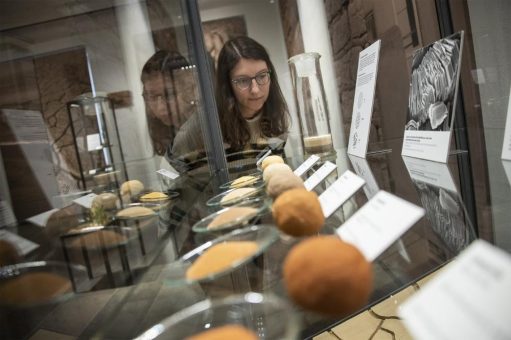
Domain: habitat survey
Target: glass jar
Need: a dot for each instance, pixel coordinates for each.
(310, 100)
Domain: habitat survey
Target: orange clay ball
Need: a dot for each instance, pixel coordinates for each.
(297, 212)
(228, 332)
(327, 275)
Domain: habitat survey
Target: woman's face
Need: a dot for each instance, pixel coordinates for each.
(171, 101)
(251, 99)
(155, 97)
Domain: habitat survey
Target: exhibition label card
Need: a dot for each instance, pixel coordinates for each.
(22, 244)
(430, 172)
(85, 201)
(364, 99)
(363, 170)
(339, 192)
(379, 223)
(93, 142)
(42, 219)
(507, 169)
(468, 300)
(432, 99)
(168, 173)
(7, 216)
(319, 175)
(309, 162)
(506, 148)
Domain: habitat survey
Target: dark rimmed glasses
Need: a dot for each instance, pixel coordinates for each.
(244, 83)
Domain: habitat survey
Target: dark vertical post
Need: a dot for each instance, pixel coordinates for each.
(209, 120)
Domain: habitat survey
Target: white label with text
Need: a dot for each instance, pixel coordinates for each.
(468, 300)
(319, 175)
(306, 165)
(339, 192)
(379, 223)
(168, 173)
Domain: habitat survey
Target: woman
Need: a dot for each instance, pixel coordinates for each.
(169, 96)
(251, 106)
(252, 110)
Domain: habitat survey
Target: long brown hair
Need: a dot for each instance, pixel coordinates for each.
(274, 120)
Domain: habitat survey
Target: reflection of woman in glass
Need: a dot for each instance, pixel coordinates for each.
(252, 110)
(169, 96)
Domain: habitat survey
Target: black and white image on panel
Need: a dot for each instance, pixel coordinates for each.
(433, 85)
(447, 214)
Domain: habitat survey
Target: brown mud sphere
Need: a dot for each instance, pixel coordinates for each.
(230, 215)
(220, 257)
(297, 212)
(33, 288)
(229, 332)
(326, 275)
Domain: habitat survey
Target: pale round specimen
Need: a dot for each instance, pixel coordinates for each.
(274, 169)
(281, 182)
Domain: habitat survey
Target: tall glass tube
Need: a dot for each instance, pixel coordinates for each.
(310, 99)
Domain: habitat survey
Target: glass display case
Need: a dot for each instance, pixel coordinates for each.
(97, 143)
(104, 216)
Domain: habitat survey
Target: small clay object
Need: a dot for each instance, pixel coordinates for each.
(106, 200)
(281, 182)
(271, 160)
(327, 275)
(243, 181)
(274, 169)
(132, 212)
(33, 288)
(220, 257)
(230, 215)
(131, 188)
(297, 212)
(236, 194)
(228, 332)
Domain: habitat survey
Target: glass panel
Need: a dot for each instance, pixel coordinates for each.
(488, 83)
(97, 96)
(90, 90)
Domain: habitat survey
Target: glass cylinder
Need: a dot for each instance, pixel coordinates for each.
(310, 100)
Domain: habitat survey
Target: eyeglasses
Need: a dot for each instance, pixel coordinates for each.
(153, 98)
(244, 83)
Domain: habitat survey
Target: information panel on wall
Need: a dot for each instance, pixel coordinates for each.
(432, 99)
(364, 99)
(506, 147)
